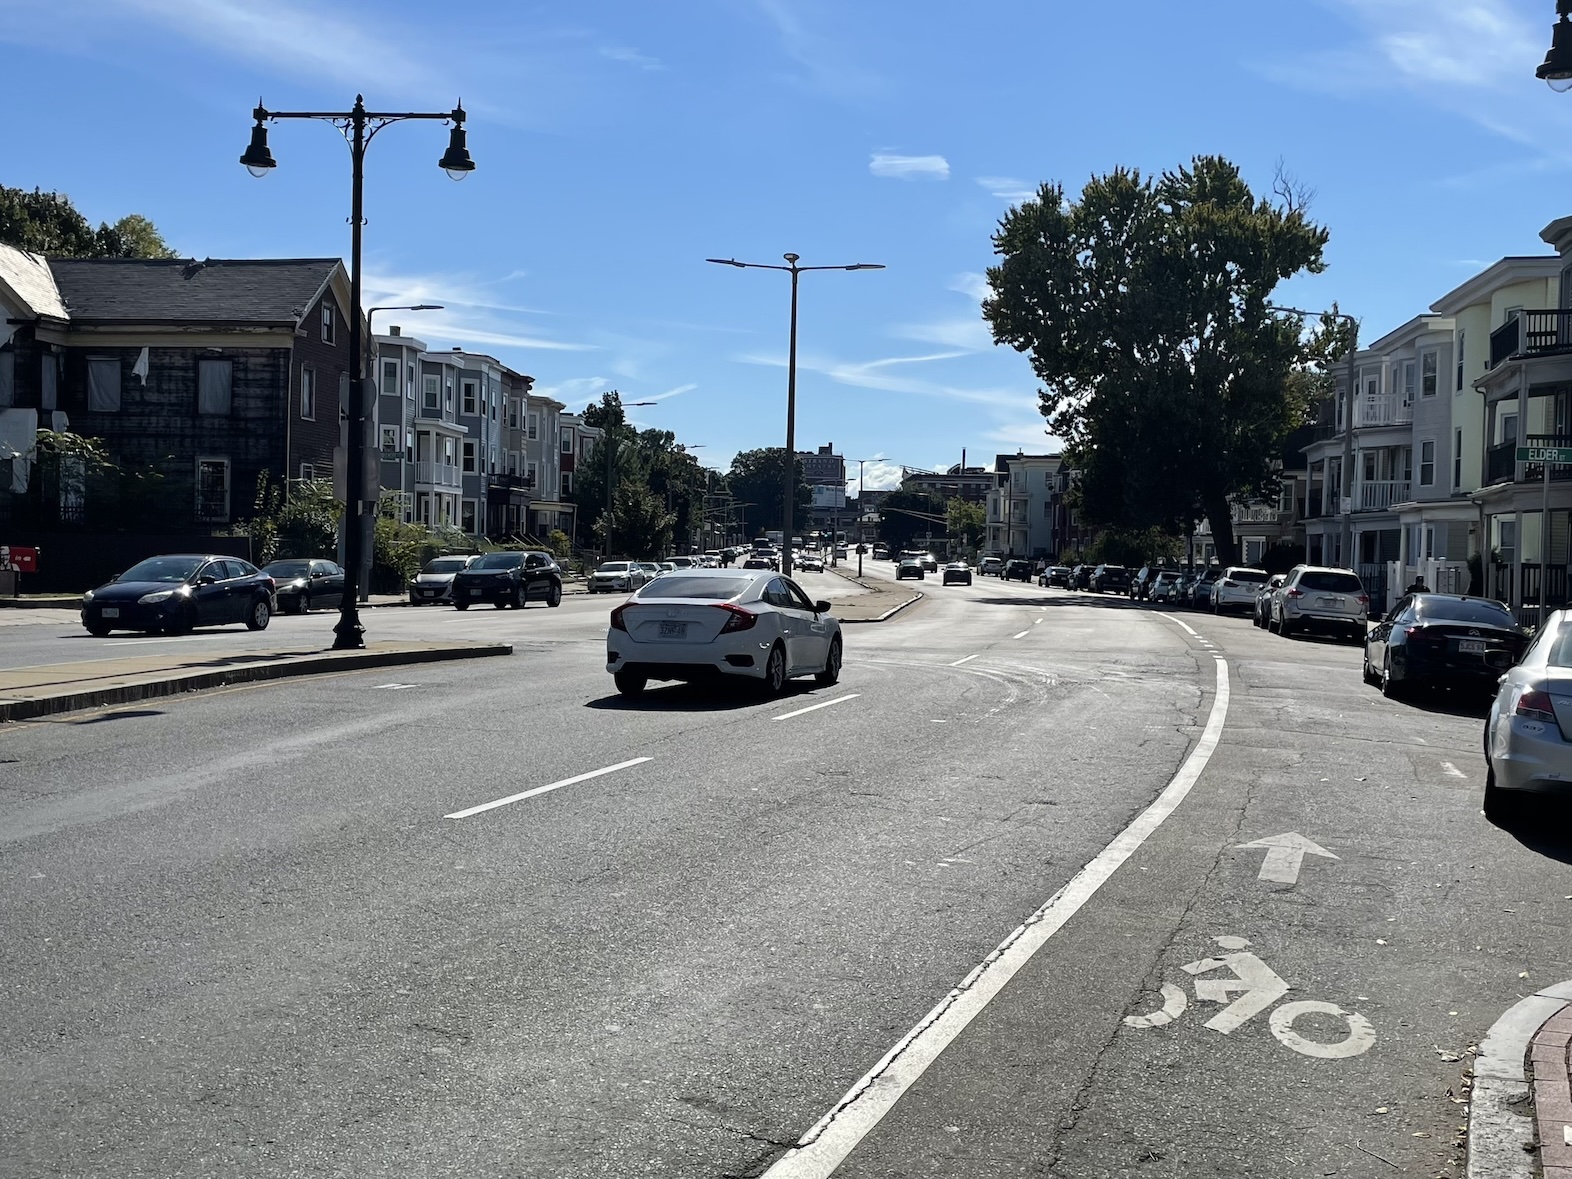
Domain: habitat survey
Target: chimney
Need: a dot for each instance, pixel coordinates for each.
(395, 330)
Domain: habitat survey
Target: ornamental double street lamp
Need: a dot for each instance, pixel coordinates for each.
(790, 482)
(359, 127)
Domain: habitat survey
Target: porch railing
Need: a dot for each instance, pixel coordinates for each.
(1382, 411)
(1378, 495)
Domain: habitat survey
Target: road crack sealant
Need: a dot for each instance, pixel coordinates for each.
(827, 1143)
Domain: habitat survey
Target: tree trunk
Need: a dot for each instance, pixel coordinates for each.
(1219, 514)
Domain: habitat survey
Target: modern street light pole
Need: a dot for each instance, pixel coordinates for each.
(1346, 490)
(790, 480)
(359, 127)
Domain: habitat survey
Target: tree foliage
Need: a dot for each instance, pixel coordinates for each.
(639, 525)
(1143, 305)
(758, 478)
(905, 515)
(48, 223)
(966, 520)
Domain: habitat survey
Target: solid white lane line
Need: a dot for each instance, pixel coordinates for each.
(1181, 622)
(958, 662)
(1035, 622)
(816, 707)
(837, 1133)
(522, 795)
(1023, 634)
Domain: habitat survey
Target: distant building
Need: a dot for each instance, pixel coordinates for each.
(825, 473)
(971, 484)
(1027, 515)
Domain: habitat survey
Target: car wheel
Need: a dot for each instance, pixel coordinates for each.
(1498, 804)
(554, 596)
(1366, 672)
(461, 605)
(518, 599)
(97, 629)
(261, 614)
(1284, 627)
(832, 665)
(1390, 688)
(629, 683)
(304, 605)
(775, 671)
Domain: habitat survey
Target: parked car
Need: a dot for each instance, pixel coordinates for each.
(613, 577)
(714, 623)
(993, 565)
(1263, 598)
(1165, 587)
(1017, 570)
(840, 552)
(1081, 577)
(652, 569)
(509, 579)
(930, 563)
(810, 563)
(300, 585)
(1442, 640)
(1058, 575)
(175, 593)
(434, 583)
(1200, 597)
(881, 551)
(1141, 583)
(1316, 597)
(1527, 747)
(1236, 588)
(957, 573)
(1110, 579)
(909, 567)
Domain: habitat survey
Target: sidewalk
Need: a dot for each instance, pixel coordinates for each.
(27, 692)
(1525, 1056)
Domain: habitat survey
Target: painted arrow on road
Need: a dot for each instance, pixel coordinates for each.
(1285, 855)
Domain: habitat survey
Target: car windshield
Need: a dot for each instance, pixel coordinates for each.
(288, 569)
(1330, 583)
(499, 561)
(679, 585)
(1255, 575)
(445, 565)
(616, 566)
(163, 569)
(1453, 610)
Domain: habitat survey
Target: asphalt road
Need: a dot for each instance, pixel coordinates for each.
(239, 936)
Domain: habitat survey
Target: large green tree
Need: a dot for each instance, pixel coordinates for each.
(966, 520)
(758, 479)
(48, 223)
(639, 525)
(1143, 306)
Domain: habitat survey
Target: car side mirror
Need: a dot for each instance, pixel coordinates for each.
(207, 579)
(316, 573)
(821, 607)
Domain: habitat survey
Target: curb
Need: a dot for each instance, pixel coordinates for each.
(17, 710)
(1502, 1132)
(62, 602)
(886, 616)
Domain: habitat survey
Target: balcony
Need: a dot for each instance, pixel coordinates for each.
(1532, 333)
(437, 474)
(1382, 411)
(1378, 495)
(1257, 514)
(1501, 462)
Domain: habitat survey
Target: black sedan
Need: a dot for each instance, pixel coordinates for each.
(300, 585)
(909, 567)
(1017, 571)
(957, 573)
(1442, 640)
(175, 593)
(509, 579)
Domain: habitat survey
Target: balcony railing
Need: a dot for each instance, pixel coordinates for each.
(1378, 495)
(1532, 333)
(1501, 463)
(437, 474)
(1382, 411)
(1257, 514)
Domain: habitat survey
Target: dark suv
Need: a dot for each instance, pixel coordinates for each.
(509, 579)
(1110, 579)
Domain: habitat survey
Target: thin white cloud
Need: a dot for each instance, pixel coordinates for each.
(670, 393)
(453, 331)
(631, 57)
(1029, 435)
(1007, 188)
(875, 374)
(893, 167)
(971, 284)
(821, 64)
(970, 334)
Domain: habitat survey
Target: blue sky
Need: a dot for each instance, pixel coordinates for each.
(621, 143)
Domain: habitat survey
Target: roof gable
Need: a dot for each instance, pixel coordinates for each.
(215, 290)
(26, 281)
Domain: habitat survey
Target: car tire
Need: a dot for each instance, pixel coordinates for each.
(775, 671)
(1390, 688)
(461, 605)
(630, 683)
(1498, 804)
(260, 614)
(304, 605)
(831, 674)
(1366, 672)
(518, 599)
(554, 595)
(97, 629)
(1284, 627)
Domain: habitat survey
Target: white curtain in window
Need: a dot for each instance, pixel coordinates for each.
(214, 380)
(103, 386)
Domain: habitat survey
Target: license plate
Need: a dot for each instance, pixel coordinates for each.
(474, 593)
(1472, 646)
(1331, 603)
(109, 612)
(674, 630)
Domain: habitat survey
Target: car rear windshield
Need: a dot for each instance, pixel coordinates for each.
(163, 569)
(288, 569)
(678, 585)
(1331, 583)
(445, 565)
(1451, 610)
(499, 561)
(1256, 575)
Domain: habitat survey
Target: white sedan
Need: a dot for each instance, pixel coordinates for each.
(705, 624)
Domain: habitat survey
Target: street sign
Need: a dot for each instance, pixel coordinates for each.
(1544, 454)
(23, 560)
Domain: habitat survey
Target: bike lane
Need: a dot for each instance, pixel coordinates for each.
(1288, 977)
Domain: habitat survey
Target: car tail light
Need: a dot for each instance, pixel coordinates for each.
(1226, 581)
(1363, 599)
(1293, 593)
(616, 619)
(1535, 704)
(737, 618)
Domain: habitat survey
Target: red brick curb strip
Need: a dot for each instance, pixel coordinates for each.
(1524, 1056)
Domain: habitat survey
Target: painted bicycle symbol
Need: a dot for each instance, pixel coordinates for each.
(1258, 986)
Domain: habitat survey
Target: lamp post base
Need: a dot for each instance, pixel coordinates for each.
(349, 635)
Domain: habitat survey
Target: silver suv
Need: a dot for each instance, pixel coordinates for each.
(1314, 597)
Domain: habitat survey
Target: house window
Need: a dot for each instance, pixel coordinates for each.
(48, 380)
(1408, 382)
(390, 377)
(1508, 429)
(492, 466)
(533, 428)
(513, 415)
(103, 384)
(1457, 460)
(308, 394)
(1427, 463)
(467, 519)
(447, 397)
(307, 471)
(215, 382)
(1460, 342)
(328, 325)
(1427, 374)
(7, 379)
(469, 458)
(212, 490)
(567, 447)
(409, 382)
(409, 446)
(390, 444)
(469, 397)
(430, 393)
(529, 474)
(423, 507)
(567, 483)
